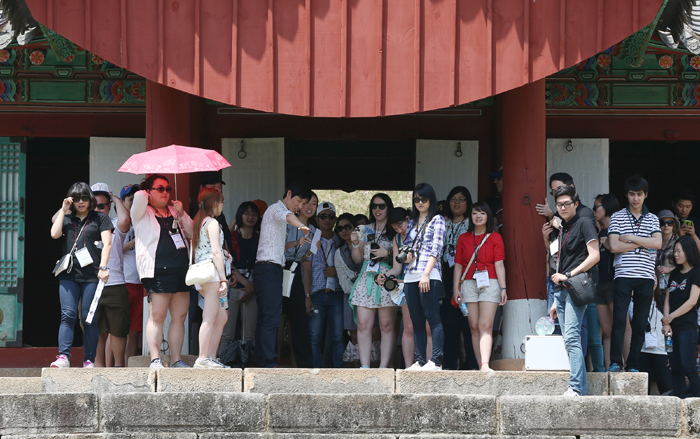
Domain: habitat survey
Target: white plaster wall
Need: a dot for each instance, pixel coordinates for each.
(588, 163)
(519, 318)
(437, 165)
(107, 154)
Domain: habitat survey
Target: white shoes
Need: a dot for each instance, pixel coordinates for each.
(61, 362)
(431, 366)
(570, 392)
(415, 366)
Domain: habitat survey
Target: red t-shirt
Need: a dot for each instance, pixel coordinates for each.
(491, 252)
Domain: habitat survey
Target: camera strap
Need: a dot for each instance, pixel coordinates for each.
(466, 267)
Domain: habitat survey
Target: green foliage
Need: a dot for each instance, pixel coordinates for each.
(358, 201)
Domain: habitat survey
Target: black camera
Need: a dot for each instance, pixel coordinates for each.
(391, 283)
(374, 246)
(404, 251)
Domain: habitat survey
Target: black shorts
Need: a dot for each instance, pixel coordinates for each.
(113, 311)
(167, 281)
(604, 293)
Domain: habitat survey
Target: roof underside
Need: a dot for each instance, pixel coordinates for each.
(340, 58)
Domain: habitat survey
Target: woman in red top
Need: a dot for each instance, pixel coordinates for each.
(484, 287)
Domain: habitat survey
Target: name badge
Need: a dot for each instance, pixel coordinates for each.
(554, 247)
(373, 268)
(450, 260)
(84, 257)
(330, 283)
(650, 340)
(617, 262)
(227, 265)
(482, 279)
(177, 239)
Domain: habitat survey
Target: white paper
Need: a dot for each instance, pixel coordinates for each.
(315, 241)
(554, 247)
(650, 339)
(177, 239)
(482, 279)
(95, 302)
(84, 258)
(288, 280)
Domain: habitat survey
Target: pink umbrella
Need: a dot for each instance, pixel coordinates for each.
(174, 159)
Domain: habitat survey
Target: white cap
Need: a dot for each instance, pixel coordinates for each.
(101, 187)
(326, 205)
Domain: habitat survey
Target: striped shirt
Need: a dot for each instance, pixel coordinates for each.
(273, 234)
(640, 262)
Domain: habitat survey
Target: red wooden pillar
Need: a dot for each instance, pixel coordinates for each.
(172, 117)
(523, 133)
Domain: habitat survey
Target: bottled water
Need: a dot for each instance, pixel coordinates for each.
(223, 301)
(669, 343)
(463, 307)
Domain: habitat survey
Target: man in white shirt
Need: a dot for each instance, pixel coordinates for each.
(269, 264)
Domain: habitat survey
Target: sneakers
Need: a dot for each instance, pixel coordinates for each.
(415, 366)
(206, 363)
(61, 362)
(181, 364)
(87, 364)
(633, 370)
(218, 361)
(614, 367)
(156, 364)
(570, 392)
(430, 366)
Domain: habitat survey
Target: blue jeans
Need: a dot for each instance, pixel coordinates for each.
(422, 306)
(571, 319)
(70, 293)
(595, 342)
(329, 307)
(268, 287)
(551, 288)
(682, 361)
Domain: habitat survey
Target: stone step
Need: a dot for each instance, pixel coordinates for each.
(20, 384)
(332, 381)
(20, 372)
(145, 360)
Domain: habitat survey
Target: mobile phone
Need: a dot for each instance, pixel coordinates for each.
(687, 223)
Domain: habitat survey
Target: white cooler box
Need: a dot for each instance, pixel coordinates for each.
(546, 353)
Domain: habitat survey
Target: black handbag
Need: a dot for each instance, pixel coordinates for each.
(581, 289)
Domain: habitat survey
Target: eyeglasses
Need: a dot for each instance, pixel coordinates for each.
(420, 200)
(457, 200)
(162, 189)
(380, 206)
(596, 206)
(325, 216)
(666, 223)
(345, 228)
(83, 198)
(565, 205)
(103, 205)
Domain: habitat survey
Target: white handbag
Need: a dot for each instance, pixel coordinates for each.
(201, 272)
(66, 262)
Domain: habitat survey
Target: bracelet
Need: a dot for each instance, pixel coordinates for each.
(307, 295)
(503, 288)
(355, 245)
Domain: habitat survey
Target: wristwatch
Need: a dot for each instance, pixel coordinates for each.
(568, 275)
(104, 267)
(307, 295)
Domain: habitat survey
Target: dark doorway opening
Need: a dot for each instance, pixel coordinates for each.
(666, 166)
(352, 164)
(53, 164)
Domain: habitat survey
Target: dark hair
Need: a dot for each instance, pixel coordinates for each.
(683, 194)
(690, 249)
(78, 189)
(397, 215)
(609, 203)
(563, 177)
(425, 190)
(636, 184)
(132, 190)
(457, 190)
(361, 216)
(207, 197)
(481, 206)
(298, 189)
(345, 216)
(564, 191)
(243, 208)
(386, 199)
(148, 183)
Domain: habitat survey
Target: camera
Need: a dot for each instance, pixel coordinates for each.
(404, 251)
(391, 283)
(374, 246)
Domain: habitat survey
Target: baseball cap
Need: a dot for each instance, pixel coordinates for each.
(326, 205)
(101, 187)
(497, 174)
(128, 190)
(211, 177)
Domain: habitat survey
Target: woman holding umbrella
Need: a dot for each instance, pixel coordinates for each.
(161, 234)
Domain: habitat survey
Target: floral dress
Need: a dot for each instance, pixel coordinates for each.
(365, 292)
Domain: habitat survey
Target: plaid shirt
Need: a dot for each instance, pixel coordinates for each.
(431, 244)
(324, 257)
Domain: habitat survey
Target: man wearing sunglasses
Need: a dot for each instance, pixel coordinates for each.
(113, 309)
(326, 295)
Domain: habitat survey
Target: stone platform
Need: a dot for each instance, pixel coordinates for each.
(335, 403)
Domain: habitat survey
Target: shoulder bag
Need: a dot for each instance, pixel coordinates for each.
(466, 268)
(66, 262)
(201, 272)
(581, 287)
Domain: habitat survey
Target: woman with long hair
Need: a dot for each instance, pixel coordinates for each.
(370, 247)
(681, 316)
(162, 229)
(425, 236)
(208, 244)
(483, 289)
(85, 230)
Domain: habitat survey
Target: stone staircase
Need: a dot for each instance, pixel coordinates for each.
(333, 403)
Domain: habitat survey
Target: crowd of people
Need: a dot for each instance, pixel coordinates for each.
(350, 289)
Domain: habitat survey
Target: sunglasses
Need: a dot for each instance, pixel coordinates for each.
(325, 216)
(380, 206)
(83, 198)
(103, 205)
(457, 200)
(162, 189)
(667, 223)
(420, 200)
(345, 228)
